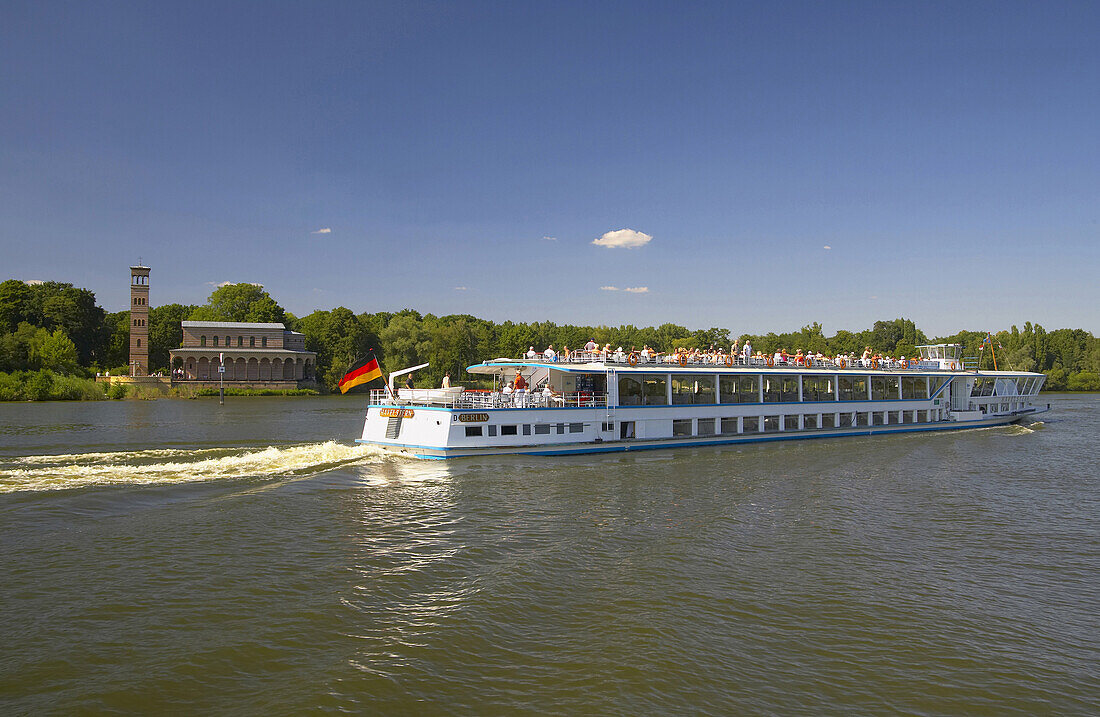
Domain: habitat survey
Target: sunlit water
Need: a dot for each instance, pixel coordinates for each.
(184, 557)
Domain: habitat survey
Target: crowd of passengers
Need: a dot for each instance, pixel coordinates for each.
(737, 355)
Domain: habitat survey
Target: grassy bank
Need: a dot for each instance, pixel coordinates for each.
(45, 385)
(258, 392)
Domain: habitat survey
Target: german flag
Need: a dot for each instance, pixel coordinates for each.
(362, 371)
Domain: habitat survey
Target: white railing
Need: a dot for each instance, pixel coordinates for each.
(728, 361)
(492, 399)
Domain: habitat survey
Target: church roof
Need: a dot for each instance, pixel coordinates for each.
(229, 325)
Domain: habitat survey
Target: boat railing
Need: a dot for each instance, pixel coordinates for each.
(476, 398)
(673, 360)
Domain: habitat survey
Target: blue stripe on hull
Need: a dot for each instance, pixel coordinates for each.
(614, 447)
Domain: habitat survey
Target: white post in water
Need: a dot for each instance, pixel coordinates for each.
(221, 379)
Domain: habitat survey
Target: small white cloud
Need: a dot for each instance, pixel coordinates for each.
(827, 247)
(637, 289)
(549, 238)
(874, 297)
(220, 284)
(623, 239)
(609, 288)
(33, 282)
(326, 230)
(461, 288)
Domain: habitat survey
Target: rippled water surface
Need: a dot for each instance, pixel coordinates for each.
(181, 556)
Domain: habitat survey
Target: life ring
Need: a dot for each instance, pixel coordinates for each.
(952, 365)
(770, 361)
(683, 360)
(905, 363)
(843, 363)
(729, 361)
(874, 362)
(632, 359)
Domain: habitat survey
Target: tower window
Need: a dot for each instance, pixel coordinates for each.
(139, 343)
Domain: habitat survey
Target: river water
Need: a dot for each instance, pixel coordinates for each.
(249, 559)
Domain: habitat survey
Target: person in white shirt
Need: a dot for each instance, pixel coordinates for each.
(531, 353)
(645, 353)
(747, 352)
(591, 345)
(550, 354)
(446, 380)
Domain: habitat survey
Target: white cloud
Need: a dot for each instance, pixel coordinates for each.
(623, 238)
(326, 230)
(549, 238)
(220, 284)
(827, 246)
(33, 282)
(461, 288)
(637, 289)
(609, 288)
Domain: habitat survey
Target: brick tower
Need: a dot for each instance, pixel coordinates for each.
(139, 320)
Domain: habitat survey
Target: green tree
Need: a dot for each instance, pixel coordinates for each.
(15, 296)
(55, 352)
(240, 302)
(165, 333)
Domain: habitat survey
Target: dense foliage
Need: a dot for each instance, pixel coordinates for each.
(57, 328)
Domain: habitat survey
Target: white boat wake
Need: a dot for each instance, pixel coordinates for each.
(164, 466)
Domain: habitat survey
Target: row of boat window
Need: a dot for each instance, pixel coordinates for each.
(728, 426)
(654, 389)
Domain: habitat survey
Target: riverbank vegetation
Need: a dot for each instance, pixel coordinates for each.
(60, 329)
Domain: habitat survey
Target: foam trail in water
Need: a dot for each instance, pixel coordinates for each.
(149, 467)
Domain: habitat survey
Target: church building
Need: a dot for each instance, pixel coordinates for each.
(253, 352)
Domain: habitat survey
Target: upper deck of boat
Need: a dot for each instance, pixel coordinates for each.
(598, 363)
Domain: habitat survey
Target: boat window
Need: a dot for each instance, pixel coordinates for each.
(560, 428)
(748, 388)
(492, 430)
(526, 429)
(705, 427)
(729, 426)
(630, 391)
(771, 424)
(790, 389)
(846, 389)
(542, 429)
(691, 388)
(828, 420)
(878, 388)
(845, 420)
(509, 431)
(790, 423)
(656, 389)
(914, 387)
(895, 417)
(862, 418)
(473, 431)
(809, 421)
(576, 427)
(609, 427)
(727, 389)
(817, 388)
(773, 389)
(681, 427)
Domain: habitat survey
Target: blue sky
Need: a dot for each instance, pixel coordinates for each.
(465, 156)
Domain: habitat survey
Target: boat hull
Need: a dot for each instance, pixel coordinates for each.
(615, 446)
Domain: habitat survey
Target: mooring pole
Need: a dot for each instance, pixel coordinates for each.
(221, 379)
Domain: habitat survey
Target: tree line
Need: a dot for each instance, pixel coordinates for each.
(57, 327)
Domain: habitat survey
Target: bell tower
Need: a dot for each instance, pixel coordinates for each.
(139, 320)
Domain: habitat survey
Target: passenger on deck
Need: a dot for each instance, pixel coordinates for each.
(645, 354)
(520, 382)
(550, 354)
(446, 380)
(619, 355)
(606, 352)
(747, 351)
(564, 353)
(591, 346)
(531, 353)
(866, 359)
(799, 358)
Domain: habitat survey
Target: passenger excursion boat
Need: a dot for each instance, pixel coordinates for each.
(598, 402)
